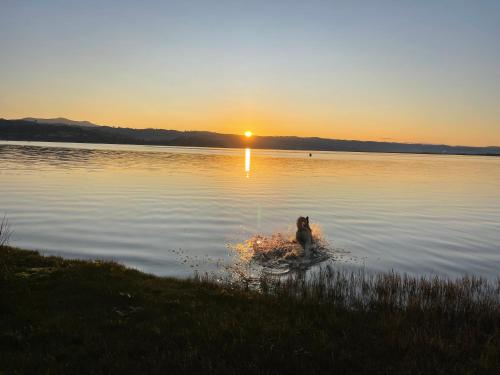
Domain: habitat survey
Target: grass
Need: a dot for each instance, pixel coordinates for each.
(5, 231)
(70, 316)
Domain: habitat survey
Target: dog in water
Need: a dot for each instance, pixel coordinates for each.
(304, 234)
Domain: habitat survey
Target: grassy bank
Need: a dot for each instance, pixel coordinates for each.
(67, 316)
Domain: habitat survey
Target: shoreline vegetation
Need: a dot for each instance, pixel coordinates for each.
(74, 316)
(63, 130)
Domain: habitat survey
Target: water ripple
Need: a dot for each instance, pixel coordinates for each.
(139, 204)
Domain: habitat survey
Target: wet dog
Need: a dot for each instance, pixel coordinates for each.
(304, 234)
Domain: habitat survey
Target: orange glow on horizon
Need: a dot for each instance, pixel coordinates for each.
(356, 126)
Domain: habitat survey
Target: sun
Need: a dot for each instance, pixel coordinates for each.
(248, 134)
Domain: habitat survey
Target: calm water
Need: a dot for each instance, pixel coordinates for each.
(152, 207)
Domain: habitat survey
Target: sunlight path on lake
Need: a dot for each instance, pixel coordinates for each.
(247, 161)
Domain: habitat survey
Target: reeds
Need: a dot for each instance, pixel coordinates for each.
(5, 232)
(358, 290)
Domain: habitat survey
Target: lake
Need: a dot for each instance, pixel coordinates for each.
(170, 210)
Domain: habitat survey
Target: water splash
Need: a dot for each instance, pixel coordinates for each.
(279, 253)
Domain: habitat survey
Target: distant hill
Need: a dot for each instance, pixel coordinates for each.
(58, 121)
(63, 130)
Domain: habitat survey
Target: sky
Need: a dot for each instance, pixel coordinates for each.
(409, 71)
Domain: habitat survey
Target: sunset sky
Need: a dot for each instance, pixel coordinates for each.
(411, 71)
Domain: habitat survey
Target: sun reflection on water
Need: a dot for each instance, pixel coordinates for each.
(247, 161)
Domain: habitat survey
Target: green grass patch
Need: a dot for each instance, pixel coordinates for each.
(71, 316)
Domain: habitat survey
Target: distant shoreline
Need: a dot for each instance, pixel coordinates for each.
(33, 131)
(3, 142)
